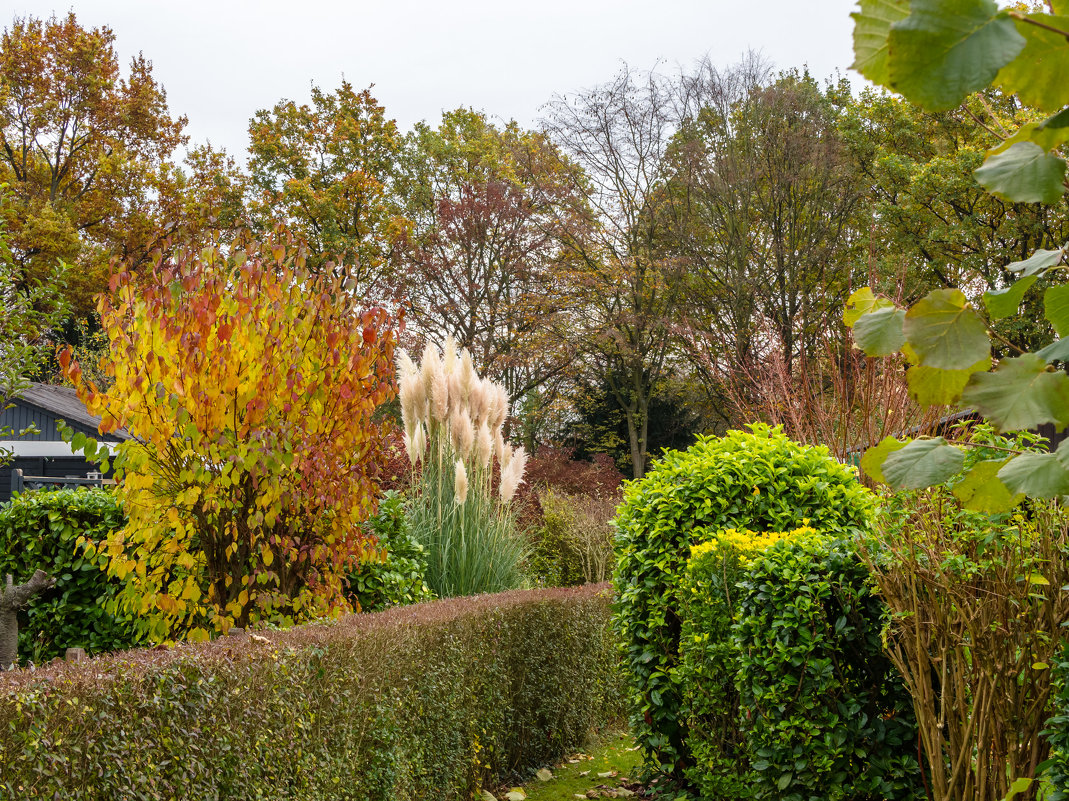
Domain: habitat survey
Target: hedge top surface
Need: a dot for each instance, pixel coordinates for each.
(757, 479)
(226, 650)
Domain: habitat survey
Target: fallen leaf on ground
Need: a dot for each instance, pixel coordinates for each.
(488, 796)
(515, 794)
(544, 775)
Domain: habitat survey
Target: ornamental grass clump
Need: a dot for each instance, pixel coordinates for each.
(460, 508)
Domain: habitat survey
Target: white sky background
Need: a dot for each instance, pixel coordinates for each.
(221, 61)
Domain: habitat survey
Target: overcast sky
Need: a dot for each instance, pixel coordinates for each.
(221, 61)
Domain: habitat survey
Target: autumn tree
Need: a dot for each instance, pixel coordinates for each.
(81, 147)
(248, 385)
(29, 311)
(200, 200)
(771, 230)
(624, 282)
(486, 203)
(327, 170)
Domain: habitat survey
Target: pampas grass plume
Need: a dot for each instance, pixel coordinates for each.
(449, 356)
(462, 432)
(485, 444)
(440, 396)
(512, 474)
(461, 483)
(418, 446)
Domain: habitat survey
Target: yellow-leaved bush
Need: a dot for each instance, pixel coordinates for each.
(248, 387)
(708, 657)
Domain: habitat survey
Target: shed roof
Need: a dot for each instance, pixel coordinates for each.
(63, 402)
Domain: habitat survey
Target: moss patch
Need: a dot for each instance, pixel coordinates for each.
(605, 770)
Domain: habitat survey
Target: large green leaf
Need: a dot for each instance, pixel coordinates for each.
(872, 461)
(930, 386)
(1062, 454)
(862, 302)
(947, 49)
(1056, 351)
(1005, 302)
(1037, 264)
(922, 463)
(1056, 308)
(1047, 136)
(946, 332)
(1037, 75)
(879, 333)
(1023, 173)
(1038, 475)
(1021, 394)
(1059, 120)
(981, 490)
(872, 26)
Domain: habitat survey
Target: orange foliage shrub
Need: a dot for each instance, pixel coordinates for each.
(248, 385)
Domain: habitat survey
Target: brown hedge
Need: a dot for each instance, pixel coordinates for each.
(427, 701)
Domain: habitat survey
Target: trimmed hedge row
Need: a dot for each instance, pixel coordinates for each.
(426, 701)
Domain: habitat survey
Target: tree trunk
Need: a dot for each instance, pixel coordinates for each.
(13, 598)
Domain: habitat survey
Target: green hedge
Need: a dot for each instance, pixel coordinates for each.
(424, 701)
(827, 717)
(40, 530)
(1057, 731)
(756, 480)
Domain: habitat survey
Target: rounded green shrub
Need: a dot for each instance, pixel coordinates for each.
(44, 530)
(757, 479)
(826, 715)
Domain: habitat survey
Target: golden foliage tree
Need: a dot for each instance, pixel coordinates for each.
(248, 385)
(82, 148)
(326, 169)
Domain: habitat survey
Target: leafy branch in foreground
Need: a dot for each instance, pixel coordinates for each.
(946, 342)
(936, 53)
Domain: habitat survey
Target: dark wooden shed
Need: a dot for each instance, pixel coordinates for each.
(45, 453)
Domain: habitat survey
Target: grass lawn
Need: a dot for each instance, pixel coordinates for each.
(605, 770)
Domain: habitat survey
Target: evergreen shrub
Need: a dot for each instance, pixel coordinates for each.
(826, 717)
(756, 479)
(397, 577)
(433, 700)
(709, 661)
(47, 530)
